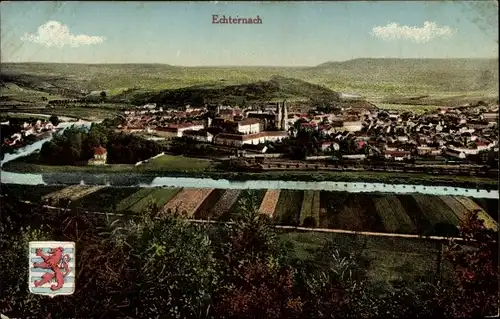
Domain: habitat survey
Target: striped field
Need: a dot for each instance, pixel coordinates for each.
(392, 213)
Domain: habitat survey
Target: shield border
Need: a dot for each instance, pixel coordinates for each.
(64, 244)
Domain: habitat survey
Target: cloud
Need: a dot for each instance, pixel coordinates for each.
(56, 34)
(428, 32)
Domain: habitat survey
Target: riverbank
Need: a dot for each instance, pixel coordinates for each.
(160, 165)
(180, 166)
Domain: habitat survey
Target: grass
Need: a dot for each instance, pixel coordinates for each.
(174, 163)
(158, 196)
(133, 199)
(490, 206)
(28, 193)
(307, 203)
(388, 259)
(105, 199)
(165, 163)
(288, 207)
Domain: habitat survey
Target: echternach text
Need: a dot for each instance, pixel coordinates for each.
(237, 20)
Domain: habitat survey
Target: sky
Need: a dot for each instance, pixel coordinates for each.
(291, 33)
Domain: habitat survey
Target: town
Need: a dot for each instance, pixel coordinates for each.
(459, 135)
(165, 160)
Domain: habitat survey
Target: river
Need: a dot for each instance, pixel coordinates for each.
(156, 181)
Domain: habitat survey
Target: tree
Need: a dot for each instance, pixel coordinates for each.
(475, 289)
(175, 261)
(103, 96)
(54, 120)
(255, 283)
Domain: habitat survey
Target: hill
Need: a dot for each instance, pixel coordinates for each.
(435, 74)
(276, 88)
(372, 78)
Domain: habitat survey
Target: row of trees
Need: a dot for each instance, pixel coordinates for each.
(100, 98)
(143, 267)
(77, 144)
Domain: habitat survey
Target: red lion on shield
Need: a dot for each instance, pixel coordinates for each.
(52, 262)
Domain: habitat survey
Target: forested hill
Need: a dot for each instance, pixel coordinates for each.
(276, 88)
(443, 74)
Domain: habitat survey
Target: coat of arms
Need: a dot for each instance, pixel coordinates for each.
(52, 268)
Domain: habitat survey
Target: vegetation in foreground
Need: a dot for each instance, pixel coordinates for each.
(168, 267)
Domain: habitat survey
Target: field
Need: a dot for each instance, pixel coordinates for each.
(171, 163)
(387, 260)
(288, 207)
(133, 199)
(71, 193)
(187, 201)
(227, 200)
(255, 197)
(269, 202)
(350, 211)
(106, 199)
(309, 211)
(28, 193)
(204, 210)
(390, 213)
(162, 164)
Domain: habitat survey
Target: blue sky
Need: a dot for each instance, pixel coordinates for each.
(291, 34)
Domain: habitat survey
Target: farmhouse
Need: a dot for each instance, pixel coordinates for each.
(100, 156)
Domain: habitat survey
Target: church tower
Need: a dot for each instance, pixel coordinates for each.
(278, 116)
(284, 117)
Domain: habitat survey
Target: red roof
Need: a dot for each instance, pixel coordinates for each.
(308, 124)
(100, 150)
(397, 153)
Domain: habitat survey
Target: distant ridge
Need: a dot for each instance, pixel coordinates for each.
(406, 60)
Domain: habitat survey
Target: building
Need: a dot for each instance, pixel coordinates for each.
(176, 130)
(352, 126)
(201, 135)
(238, 140)
(397, 155)
(273, 120)
(282, 116)
(100, 156)
(456, 153)
(490, 117)
(329, 145)
(248, 126)
(268, 120)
